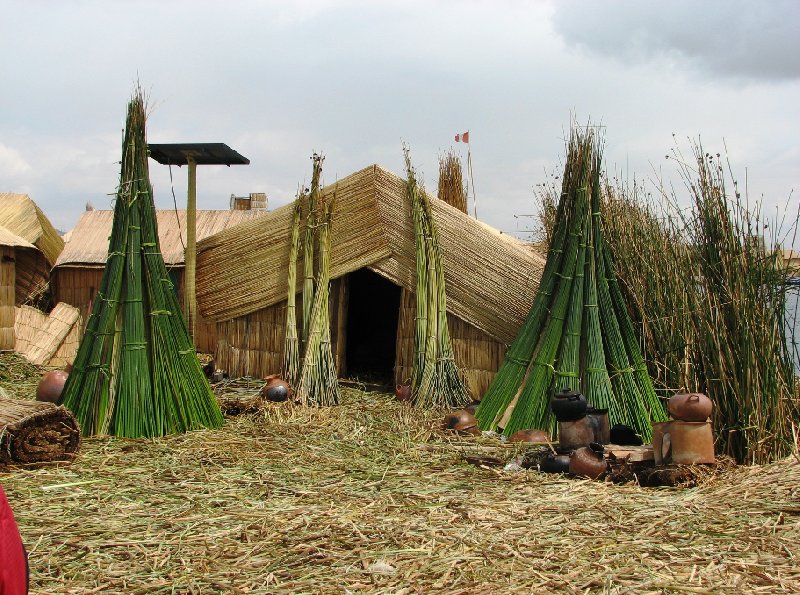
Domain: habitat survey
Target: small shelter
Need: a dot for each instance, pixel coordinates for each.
(20, 216)
(79, 269)
(29, 245)
(491, 280)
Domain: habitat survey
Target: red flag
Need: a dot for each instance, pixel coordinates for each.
(463, 138)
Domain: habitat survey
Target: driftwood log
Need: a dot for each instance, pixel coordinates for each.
(34, 432)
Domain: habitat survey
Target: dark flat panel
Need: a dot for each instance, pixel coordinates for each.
(202, 153)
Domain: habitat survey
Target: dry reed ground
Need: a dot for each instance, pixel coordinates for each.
(369, 497)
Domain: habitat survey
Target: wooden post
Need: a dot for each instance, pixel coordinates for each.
(190, 296)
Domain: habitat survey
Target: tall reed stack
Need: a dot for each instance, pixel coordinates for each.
(578, 333)
(435, 379)
(452, 189)
(136, 373)
(317, 383)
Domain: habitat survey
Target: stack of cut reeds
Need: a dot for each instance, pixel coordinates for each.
(451, 181)
(578, 333)
(136, 373)
(435, 379)
(312, 372)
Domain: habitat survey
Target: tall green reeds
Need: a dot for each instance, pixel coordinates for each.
(575, 334)
(716, 323)
(435, 378)
(136, 373)
(291, 352)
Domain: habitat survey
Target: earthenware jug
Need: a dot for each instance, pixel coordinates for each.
(588, 461)
(568, 405)
(461, 421)
(276, 388)
(555, 463)
(539, 436)
(403, 392)
(690, 407)
(598, 420)
(51, 385)
(574, 434)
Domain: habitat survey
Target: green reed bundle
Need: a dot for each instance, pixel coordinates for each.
(318, 384)
(435, 379)
(291, 353)
(577, 332)
(308, 245)
(136, 373)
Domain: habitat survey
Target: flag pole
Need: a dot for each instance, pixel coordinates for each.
(472, 181)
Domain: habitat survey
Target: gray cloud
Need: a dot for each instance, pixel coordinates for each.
(731, 38)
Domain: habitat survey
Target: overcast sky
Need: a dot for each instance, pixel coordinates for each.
(278, 80)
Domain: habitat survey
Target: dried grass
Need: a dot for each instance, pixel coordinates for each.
(367, 497)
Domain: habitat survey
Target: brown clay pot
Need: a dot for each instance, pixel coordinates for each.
(51, 385)
(588, 461)
(461, 421)
(403, 392)
(683, 443)
(690, 407)
(276, 389)
(575, 434)
(539, 436)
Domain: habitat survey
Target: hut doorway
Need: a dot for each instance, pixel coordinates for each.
(373, 307)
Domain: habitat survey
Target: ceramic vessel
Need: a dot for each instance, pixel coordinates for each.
(539, 436)
(51, 386)
(575, 434)
(588, 461)
(461, 421)
(690, 407)
(276, 389)
(568, 405)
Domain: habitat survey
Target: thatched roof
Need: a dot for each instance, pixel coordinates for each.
(88, 240)
(20, 215)
(8, 238)
(491, 278)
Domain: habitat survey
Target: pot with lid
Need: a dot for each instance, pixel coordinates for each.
(568, 405)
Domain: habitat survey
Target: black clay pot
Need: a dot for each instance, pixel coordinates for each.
(555, 463)
(568, 405)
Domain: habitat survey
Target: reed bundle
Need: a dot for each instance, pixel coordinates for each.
(136, 373)
(291, 352)
(435, 379)
(577, 333)
(318, 383)
(452, 189)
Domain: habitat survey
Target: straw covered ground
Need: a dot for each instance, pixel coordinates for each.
(370, 497)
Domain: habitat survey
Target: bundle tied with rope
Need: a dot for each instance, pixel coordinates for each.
(34, 432)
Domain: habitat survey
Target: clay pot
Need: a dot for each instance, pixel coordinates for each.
(276, 389)
(683, 443)
(568, 405)
(575, 434)
(461, 421)
(690, 407)
(402, 392)
(51, 385)
(598, 420)
(538, 436)
(588, 461)
(554, 463)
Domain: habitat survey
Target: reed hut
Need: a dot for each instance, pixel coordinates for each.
(79, 269)
(491, 280)
(20, 216)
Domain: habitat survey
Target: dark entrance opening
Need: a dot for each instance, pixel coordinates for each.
(372, 312)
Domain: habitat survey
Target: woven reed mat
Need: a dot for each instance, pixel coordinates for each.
(32, 432)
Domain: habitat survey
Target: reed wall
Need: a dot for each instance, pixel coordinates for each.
(7, 294)
(477, 354)
(78, 286)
